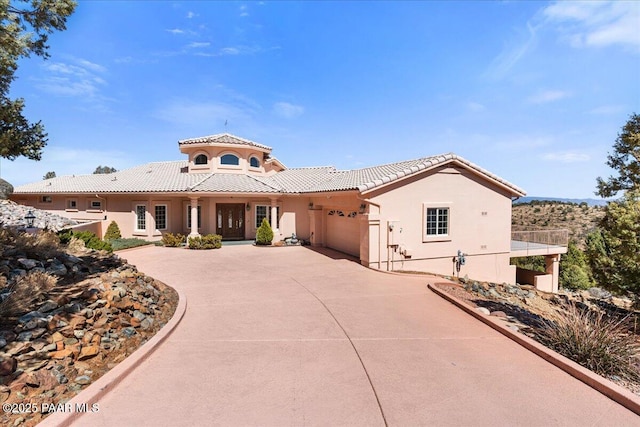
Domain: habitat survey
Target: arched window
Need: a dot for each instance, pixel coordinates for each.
(254, 162)
(201, 159)
(229, 159)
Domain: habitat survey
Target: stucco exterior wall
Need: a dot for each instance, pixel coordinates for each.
(479, 226)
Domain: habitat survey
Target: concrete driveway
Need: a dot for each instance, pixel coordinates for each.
(289, 337)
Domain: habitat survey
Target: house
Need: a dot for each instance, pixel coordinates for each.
(413, 215)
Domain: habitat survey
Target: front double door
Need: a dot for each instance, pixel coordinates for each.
(230, 220)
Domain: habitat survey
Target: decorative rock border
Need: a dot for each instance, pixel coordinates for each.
(613, 391)
(108, 381)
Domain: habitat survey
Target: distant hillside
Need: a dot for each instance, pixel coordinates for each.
(590, 202)
(580, 220)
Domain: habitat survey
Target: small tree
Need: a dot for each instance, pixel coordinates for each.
(574, 269)
(104, 170)
(49, 175)
(625, 160)
(113, 232)
(614, 248)
(264, 235)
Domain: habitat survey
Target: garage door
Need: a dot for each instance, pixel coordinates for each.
(343, 231)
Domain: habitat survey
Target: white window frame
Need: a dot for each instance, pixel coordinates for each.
(439, 235)
(223, 166)
(195, 160)
(268, 216)
(137, 218)
(257, 159)
(166, 215)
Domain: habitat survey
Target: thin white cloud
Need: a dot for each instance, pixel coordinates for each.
(230, 51)
(244, 11)
(597, 24)
(287, 110)
(566, 157)
(607, 109)
(175, 31)
(191, 15)
(546, 96)
(580, 24)
(475, 107)
(77, 79)
(198, 45)
(513, 52)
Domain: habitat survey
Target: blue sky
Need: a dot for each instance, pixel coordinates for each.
(535, 92)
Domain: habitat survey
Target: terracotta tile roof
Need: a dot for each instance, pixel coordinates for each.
(233, 183)
(369, 178)
(150, 177)
(223, 138)
(162, 177)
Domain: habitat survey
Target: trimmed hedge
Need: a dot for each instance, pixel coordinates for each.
(208, 241)
(173, 240)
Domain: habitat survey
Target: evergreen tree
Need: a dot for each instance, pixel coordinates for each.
(24, 31)
(264, 234)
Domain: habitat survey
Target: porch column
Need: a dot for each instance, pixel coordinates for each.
(274, 215)
(552, 267)
(194, 217)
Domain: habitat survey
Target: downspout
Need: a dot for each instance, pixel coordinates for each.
(379, 237)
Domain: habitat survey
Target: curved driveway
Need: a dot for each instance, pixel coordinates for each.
(292, 337)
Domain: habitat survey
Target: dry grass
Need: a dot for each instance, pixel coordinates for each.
(595, 340)
(26, 291)
(44, 244)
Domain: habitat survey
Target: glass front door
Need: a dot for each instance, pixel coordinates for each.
(230, 220)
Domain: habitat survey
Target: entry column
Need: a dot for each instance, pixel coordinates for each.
(194, 217)
(274, 215)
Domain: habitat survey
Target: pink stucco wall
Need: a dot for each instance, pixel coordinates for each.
(479, 225)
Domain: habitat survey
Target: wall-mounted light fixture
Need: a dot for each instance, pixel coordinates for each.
(363, 208)
(248, 207)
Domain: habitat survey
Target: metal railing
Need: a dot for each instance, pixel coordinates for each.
(542, 237)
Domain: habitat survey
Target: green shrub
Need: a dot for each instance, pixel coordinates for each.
(208, 241)
(264, 235)
(173, 240)
(65, 235)
(575, 272)
(90, 240)
(113, 232)
(119, 244)
(594, 340)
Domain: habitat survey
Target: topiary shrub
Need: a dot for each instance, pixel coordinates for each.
(209, 241)
(173, 240)
(264, 235)
(113, 232)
